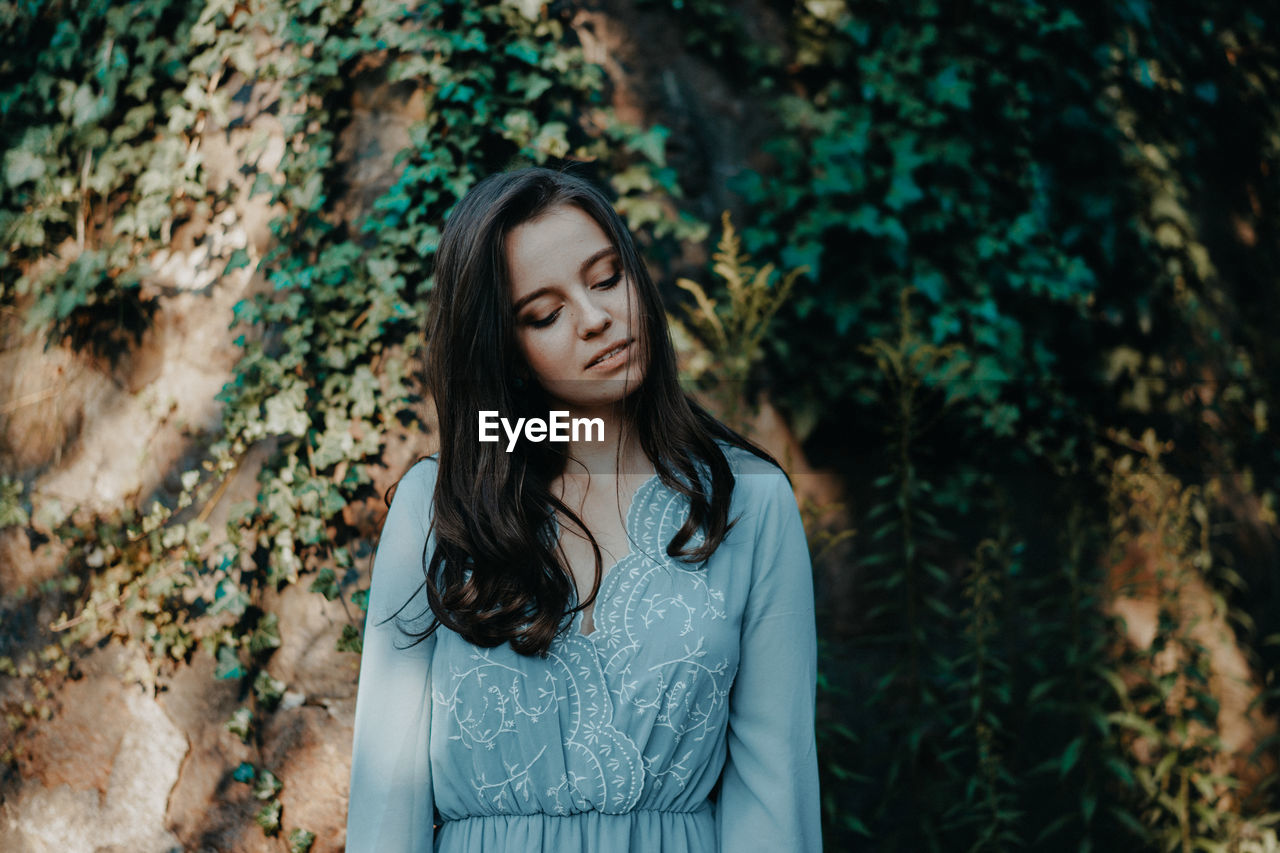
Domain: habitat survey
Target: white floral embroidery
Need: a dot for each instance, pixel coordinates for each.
(647, 659)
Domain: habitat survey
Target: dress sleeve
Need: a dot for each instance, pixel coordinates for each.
(769, 791)
(391, 807)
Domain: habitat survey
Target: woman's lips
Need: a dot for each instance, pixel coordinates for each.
(619, 357)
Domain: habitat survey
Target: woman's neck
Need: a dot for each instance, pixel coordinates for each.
(614, 450)
(606, 471)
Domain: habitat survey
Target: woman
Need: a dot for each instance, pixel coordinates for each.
(580, 644)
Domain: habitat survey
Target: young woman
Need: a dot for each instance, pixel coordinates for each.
(603, 642)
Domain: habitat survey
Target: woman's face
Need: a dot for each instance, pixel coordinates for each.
(577, 317)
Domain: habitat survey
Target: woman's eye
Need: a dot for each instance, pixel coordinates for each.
(545, 321)
(610, 281)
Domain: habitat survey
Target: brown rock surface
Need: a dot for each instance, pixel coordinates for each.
(98, 775)
(307, 660)
(310, 750)
(200, 704)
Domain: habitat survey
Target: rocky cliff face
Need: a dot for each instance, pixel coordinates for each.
(112, 755)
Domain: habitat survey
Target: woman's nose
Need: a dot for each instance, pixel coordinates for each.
(594, 319)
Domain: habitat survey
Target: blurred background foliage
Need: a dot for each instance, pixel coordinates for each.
(1032, 260)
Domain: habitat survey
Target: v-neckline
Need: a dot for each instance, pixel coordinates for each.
(608, 572)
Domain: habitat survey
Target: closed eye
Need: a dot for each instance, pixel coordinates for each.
(546, 321)
(608, 284)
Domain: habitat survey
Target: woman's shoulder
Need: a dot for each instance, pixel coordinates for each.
(416, 487)
(756, 480)
(421, 473)
(744, 463)
(763, 497)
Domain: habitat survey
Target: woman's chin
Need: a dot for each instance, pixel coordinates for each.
(591, 393)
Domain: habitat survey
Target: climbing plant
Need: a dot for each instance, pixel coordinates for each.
(1057, 188)
(328, 341)
(102, 154)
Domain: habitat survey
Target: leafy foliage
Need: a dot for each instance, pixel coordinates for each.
(1054, 191)
(727, 338)
(104, 103)
(1170, 714)
(324, 375)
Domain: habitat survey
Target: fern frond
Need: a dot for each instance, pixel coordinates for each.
(706, 315)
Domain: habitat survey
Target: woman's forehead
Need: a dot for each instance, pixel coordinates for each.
(557, 247)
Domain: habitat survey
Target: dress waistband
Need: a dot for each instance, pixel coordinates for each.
(650, 830)
(702, 807)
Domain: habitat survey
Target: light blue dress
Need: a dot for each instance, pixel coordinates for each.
(615, 740)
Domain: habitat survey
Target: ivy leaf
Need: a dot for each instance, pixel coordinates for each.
(228, 666)
(949, 89)
(230, 598)
(285, 413)
(239, 259)
(83, 106)
(902, 191)
(267, 785)
(21, 165)
(262, 183)
(363, 392)
(523, 50)
(806, 254)
(931, 284)
(268, 817)
(326, 583)
(360, 598)
(1067, 20)
(552, 140)
(268, 690)
(300, 841)
(350, 640)
(652, 144)
(240, 724)
(266, 635)
(11, 509)
(529, 86)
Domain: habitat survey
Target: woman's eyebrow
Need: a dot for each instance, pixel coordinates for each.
(591, 261)
(582, 271)
(525, 300)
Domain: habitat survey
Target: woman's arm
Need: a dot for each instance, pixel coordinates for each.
(769, 793)
(391, 806)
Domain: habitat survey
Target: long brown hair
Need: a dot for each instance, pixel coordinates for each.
(494, 575)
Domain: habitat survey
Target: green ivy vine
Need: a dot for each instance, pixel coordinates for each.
(111, 164)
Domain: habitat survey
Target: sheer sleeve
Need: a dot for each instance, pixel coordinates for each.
(769, 791)
(391, 807)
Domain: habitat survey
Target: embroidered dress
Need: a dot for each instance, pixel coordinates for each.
(615, 740)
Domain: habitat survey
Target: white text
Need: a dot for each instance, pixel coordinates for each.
(558, 428)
